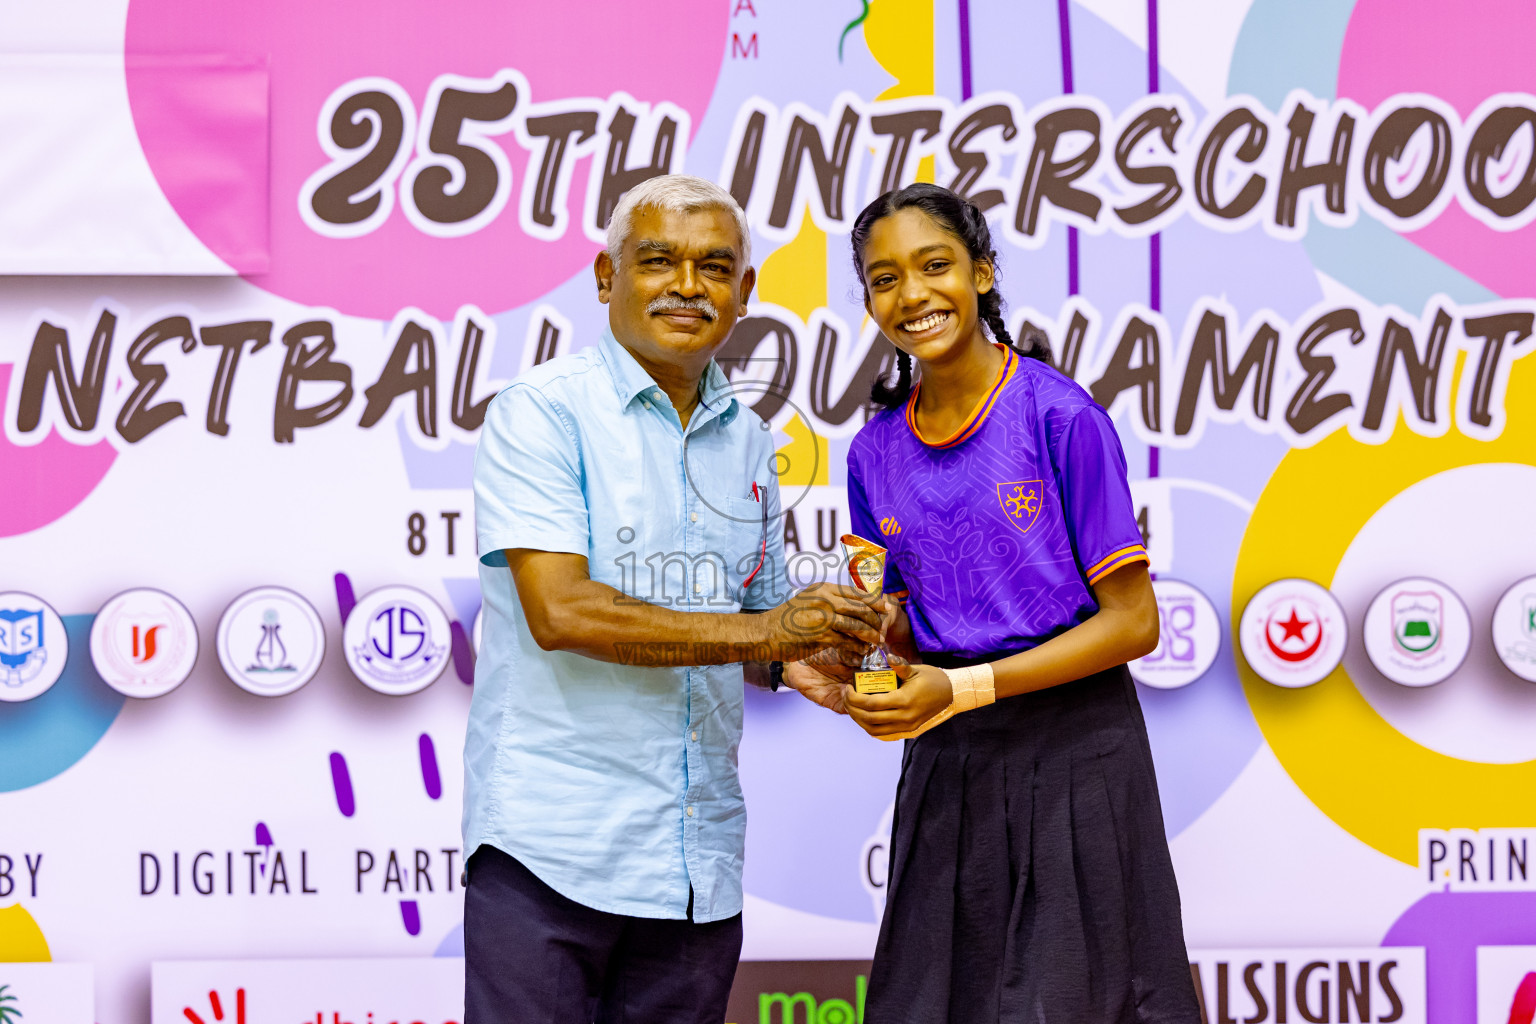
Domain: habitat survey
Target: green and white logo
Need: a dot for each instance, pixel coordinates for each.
(1514, 629)
(1417, 632)
(1417, 622)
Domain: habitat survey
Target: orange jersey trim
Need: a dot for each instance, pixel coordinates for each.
(1108, 564)
(978, 416)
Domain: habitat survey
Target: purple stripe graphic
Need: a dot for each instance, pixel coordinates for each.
(463, 653)
(1155, 243)
(1064, 23)
(1072, 283)
(345, 599)
(429, 776)
(411, 915)
(341, 780)
(965, 50)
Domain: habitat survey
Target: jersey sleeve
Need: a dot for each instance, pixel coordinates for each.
(528, 483)
(1096, 496)
(864, 525)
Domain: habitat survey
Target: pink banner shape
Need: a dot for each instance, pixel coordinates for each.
(203, 122)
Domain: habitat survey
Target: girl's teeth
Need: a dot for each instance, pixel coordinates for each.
(927, 322)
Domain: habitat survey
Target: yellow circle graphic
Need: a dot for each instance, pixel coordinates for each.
(1374, 782)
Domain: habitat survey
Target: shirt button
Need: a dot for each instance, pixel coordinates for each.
(698, 588)
(646, 404)
(694, 735)
(693, 517)
(690, 812)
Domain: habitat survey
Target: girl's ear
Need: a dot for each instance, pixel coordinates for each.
(983, 275)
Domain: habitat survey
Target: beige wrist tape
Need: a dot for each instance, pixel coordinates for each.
(972, 687)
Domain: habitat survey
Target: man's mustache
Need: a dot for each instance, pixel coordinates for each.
(672, 303)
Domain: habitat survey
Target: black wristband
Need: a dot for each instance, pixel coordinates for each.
(775, 675)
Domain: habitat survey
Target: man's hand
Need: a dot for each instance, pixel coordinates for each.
(923, 693)
(820, 678)
(823, 615)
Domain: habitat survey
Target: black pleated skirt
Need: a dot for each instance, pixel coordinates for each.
(1030, 879)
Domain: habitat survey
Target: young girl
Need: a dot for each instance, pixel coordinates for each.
(1029, 877)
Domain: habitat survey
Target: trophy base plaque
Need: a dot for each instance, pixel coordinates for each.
(875, 682)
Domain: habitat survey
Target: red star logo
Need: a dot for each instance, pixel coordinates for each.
(1294, 627)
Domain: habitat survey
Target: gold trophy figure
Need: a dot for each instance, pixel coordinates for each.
(866, 564)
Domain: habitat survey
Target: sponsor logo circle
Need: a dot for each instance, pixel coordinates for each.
(33, 646)
(1293, 633)
(270, 641)
(144, 643)
(1417, 632)
(397, 640)
(1514, 629)
(1189, 637)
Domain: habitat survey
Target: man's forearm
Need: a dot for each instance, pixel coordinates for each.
(597, 621)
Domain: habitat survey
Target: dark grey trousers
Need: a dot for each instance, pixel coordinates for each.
(532, 954)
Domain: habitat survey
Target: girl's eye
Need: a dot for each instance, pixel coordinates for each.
(937, 265)
(882, 280)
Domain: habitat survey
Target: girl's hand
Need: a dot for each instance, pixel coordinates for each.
(923, 693)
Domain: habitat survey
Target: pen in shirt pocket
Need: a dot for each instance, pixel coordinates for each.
(762, 556)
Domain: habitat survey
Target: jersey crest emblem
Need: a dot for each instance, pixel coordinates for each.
(1021, 501)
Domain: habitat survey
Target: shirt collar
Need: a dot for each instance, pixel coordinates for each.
(631, 381)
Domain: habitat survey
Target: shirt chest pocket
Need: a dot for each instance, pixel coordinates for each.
(734, 547)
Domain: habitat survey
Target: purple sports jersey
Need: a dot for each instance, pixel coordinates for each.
(997, 531)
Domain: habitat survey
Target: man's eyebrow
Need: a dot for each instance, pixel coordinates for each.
(720, 254)
(647, 245)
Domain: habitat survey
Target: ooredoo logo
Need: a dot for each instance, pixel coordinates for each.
(215, 1009)
(33, 646)
(144, 643)
(271, 641)
(1417, 632)
(396, 640)
(1293, 633)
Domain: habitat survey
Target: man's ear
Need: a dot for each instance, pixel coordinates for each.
(603, 270)
(748, 282)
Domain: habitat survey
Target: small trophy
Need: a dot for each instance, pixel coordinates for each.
(866, 564)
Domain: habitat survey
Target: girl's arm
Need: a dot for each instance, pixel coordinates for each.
(1124, 628)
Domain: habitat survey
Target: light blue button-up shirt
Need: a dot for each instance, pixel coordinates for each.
(615, 783)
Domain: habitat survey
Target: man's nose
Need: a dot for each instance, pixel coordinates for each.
(686, 283)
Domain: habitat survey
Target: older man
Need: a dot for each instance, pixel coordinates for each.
(627, 513)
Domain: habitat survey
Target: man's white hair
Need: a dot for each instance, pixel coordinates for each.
(675, 193)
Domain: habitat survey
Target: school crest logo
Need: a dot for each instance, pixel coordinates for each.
(270, 641)
(396, 640)
(1417, 632)
(1417, 622)
(1021, 501)
(1514, 629)
(1292, 633)
(33, 646)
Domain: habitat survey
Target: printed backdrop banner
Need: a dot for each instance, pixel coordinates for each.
(1286, 245)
